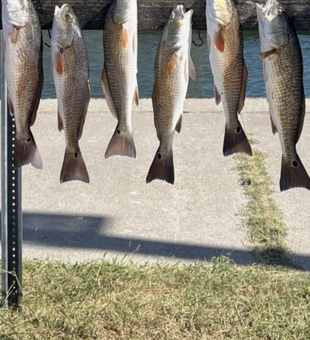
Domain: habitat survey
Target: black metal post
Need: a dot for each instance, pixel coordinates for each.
(11, 213)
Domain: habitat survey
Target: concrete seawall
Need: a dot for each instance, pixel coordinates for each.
(117, 214)
(154, 14)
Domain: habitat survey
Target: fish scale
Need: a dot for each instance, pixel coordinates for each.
(119, 76)
(285, 100)
(121, 73)
(283, 74)
(71, 89)
(173, 67)
(22, 44)
(225, 45)
(169, 94)
(232, 77)
(71, 77)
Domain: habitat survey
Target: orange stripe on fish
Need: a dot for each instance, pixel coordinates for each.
(59, 63)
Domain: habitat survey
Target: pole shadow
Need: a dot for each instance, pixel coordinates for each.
(89, 232)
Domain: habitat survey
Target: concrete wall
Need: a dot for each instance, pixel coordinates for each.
(153, 14)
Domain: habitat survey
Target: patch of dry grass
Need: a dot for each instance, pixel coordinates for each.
(261, 216)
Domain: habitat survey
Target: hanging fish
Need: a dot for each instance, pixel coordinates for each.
(173, 67)
(283, 73)
(71, 76)
(225, 44)
(119, 75)
(22, 49)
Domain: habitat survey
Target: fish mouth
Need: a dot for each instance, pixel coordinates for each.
(14, 8)
(180, 15)
(270, 10)
(59, 10)
(179, 12)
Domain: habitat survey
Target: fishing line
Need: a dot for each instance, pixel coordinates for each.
(100, 4)
(201, 40)
(49, 34)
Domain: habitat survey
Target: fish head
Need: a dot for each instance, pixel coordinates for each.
(123, 10)
(65, 26)
(273, 25)
(222, 12)
(178, 27)
(16, 12)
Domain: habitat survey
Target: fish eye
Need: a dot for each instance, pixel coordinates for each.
(68, 16)
(295, 164)
(280, 11)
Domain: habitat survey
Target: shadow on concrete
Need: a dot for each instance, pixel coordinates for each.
(88, 232)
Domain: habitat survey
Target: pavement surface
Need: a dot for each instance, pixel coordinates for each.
(119, 216)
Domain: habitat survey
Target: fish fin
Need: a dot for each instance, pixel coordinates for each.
(265, 73)
(243, 88)
(26, 152)
(121, 144)
(173, 62)
(11, 107)
(192, 71)
(38, 93)
(208, 43)
(219, 40)
(135, 44)
(161, 168)
(302, 117)
(186, 77)
(217, 96)
(73, 168)
(3, 50)
(155, 112)
(60, 122)
(136, 96)
(59, 63)
(267, 54)
(86, 102)
(125, 35)
(293, 174)
(273, 126)
(179, 125)
(14, 35)
(107, 92)
(236, 141)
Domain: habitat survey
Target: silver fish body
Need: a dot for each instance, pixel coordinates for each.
(71, 77)
(283, 73)
(22, 48)
(225, 44)
(173, 67)
(119, 75)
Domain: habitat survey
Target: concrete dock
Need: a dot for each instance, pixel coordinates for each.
(118, 215)
(154, 14)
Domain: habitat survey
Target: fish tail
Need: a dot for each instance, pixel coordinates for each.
(121, 144)
(26, 151)
(161, 168)
(293, 174)
(236, 141)
(73, 168)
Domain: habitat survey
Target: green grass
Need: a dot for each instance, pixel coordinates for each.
(261, 216)
(112, 301)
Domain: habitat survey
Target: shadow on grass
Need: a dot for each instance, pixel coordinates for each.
(5, 337)
(90, 232)
(279, 257)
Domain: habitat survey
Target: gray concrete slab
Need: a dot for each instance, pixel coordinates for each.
(118, 214)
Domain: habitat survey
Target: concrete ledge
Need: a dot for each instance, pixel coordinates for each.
(154, 14)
